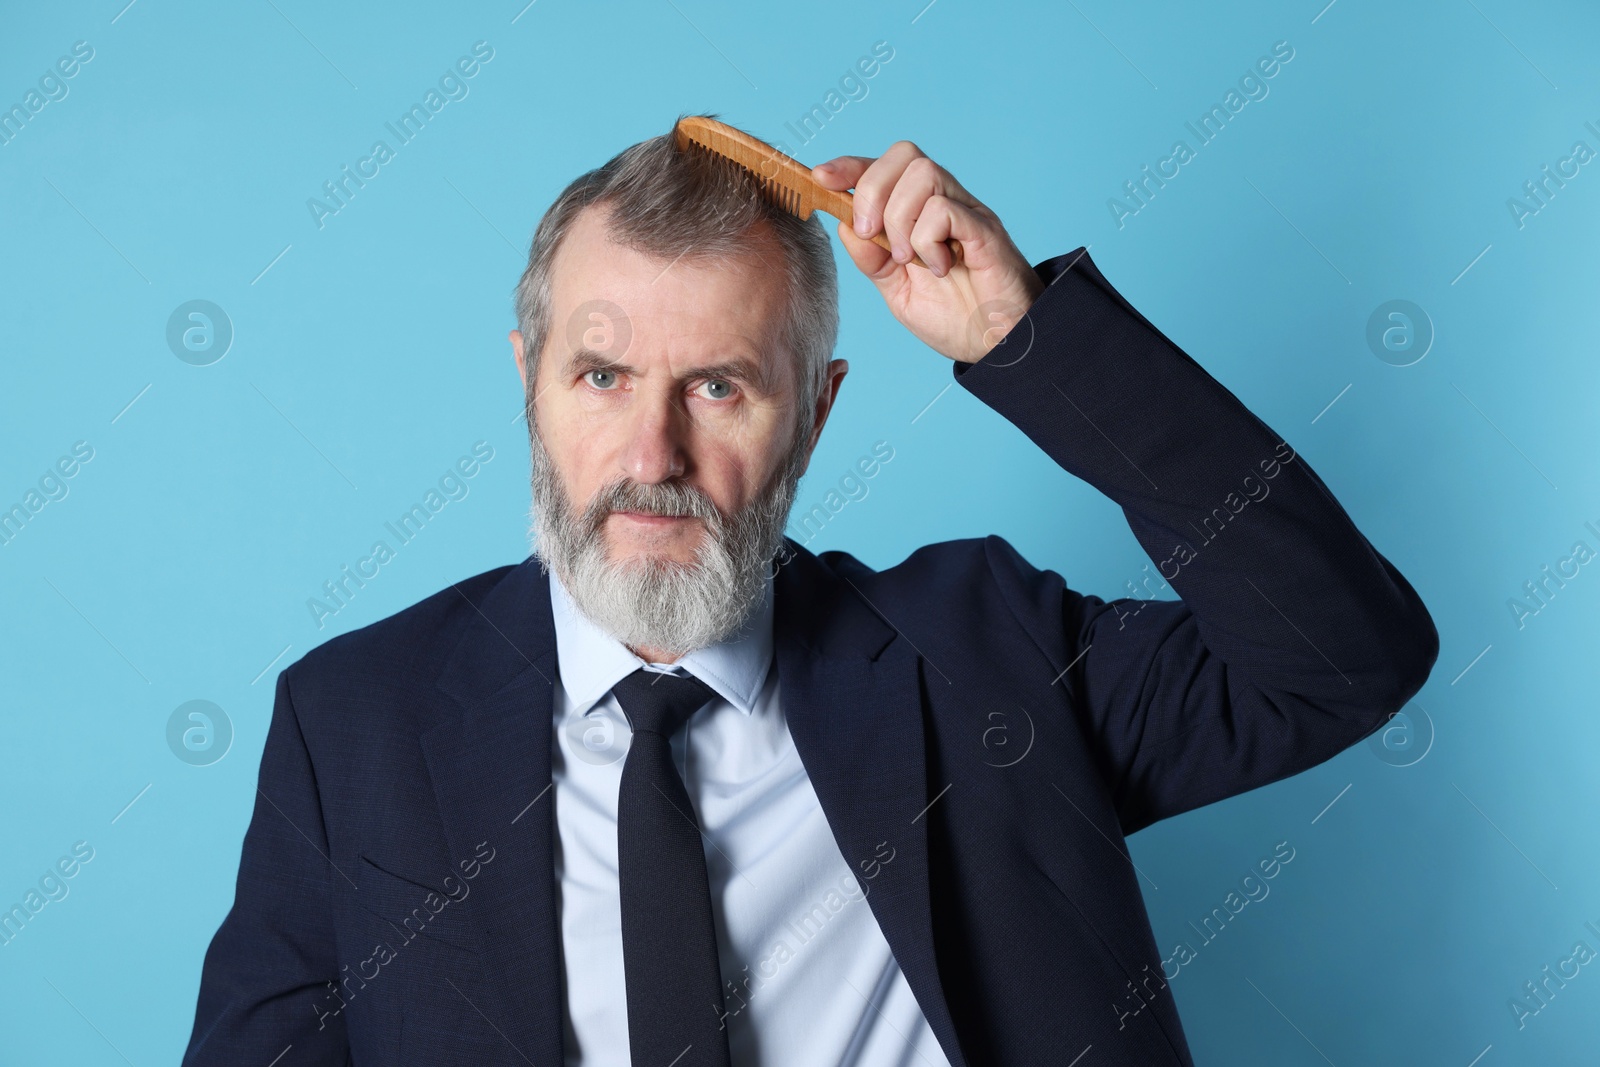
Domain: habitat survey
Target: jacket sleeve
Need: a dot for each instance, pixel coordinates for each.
(1294, 638)
(265, 982)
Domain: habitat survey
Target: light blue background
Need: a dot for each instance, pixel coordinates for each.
(372, 354)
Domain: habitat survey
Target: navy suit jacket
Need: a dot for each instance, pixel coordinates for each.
(396, 900)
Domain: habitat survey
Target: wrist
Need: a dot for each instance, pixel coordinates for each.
(995, 320)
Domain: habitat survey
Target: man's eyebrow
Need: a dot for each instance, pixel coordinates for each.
(587, 359)
(740, 368)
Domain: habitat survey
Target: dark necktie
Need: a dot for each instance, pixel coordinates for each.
(669, 943)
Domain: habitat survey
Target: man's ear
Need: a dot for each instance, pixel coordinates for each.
(837, 369)
(517, 355)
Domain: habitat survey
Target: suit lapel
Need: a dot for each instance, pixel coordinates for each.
(852, 695)
(489, 759)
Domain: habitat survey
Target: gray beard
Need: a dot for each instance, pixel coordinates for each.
(662, 604)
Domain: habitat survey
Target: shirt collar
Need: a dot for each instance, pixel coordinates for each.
(591, 661)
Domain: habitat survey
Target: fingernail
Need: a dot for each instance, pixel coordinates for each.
(862, 227)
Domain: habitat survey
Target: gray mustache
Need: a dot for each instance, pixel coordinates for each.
(677, 499)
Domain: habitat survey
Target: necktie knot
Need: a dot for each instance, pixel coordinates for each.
(661, 703)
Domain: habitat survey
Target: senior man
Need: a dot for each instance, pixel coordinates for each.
(676, 791)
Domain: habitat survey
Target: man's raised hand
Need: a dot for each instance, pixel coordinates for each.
(960, 310)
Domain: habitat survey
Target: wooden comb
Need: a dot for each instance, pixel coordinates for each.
(785, 182)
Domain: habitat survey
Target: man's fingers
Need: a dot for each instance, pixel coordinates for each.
(841, 172)
(919, 183)
(877, 182)
(847, 172)
(943, 219)
(928, 234)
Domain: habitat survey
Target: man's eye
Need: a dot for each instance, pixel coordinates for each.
(718, 389)
(601, 379)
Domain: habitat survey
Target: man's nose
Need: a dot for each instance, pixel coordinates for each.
(656, 437)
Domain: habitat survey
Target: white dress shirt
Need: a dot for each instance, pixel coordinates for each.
(809, 980)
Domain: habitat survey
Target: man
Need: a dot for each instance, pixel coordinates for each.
(675, 790)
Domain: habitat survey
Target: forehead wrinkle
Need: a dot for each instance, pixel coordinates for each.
(760, 256)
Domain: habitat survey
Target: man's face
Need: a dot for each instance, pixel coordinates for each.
(667, 415)
(689, 386)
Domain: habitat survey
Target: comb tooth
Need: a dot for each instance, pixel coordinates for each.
(770, 187)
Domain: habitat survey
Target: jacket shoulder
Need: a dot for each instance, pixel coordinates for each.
(947, 573)
(971, 606)
(405, 649)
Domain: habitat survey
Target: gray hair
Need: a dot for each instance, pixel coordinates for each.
(670, 204)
